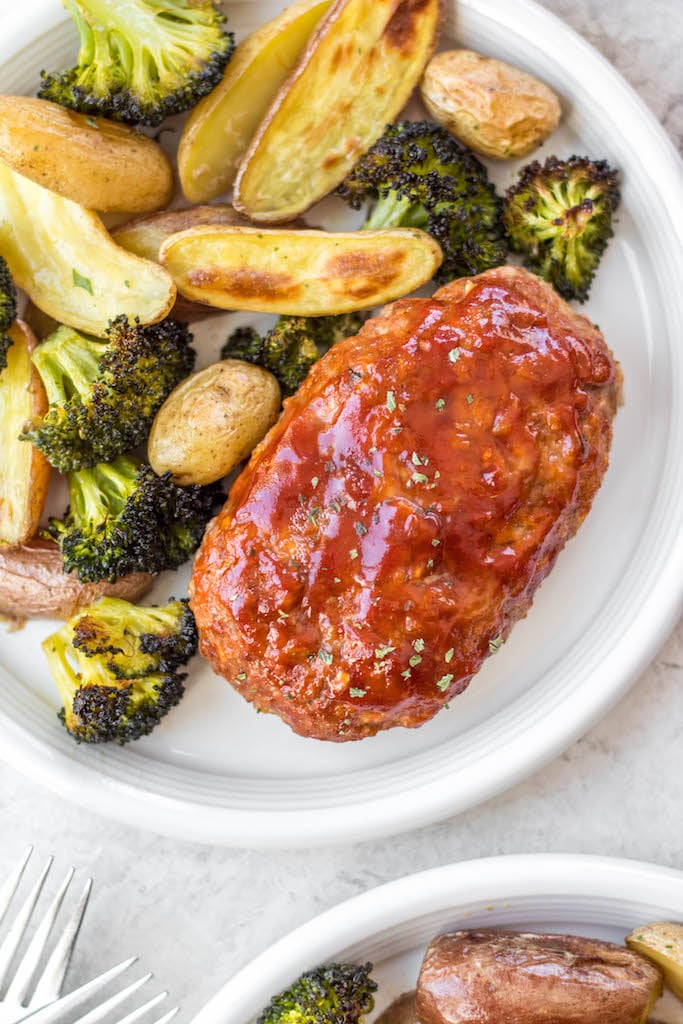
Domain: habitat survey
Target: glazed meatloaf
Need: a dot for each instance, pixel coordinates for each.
(397, 520)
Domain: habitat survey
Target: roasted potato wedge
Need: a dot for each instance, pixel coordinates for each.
(213, 421)
(663, 944)
(97, 163)
(306, 273)
(492, 976)
(24, 471)
(145, 236)
(356, 75)
(219, 129)
(494, 108)
(62, 256)
(33, 584)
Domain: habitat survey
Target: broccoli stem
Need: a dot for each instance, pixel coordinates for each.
(394, 210)
(98, 493)
(65, 372)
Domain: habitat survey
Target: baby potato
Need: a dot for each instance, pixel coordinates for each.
(662, 943)
(212, 421)
(495, 109)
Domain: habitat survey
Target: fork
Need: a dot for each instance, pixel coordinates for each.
(16, 1003)
(45, 1006)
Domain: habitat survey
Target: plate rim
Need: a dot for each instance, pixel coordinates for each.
(187, 818)
(487, 879)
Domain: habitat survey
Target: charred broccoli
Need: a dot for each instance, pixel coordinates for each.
(104, 394)
(290, 348)
(422, 177)
(330, 994)
(8, 310)
(141, 60)
(124, 518)
(132, 641)
(559, 215)
(115, 667)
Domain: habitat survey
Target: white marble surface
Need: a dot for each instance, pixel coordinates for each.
(196, 914)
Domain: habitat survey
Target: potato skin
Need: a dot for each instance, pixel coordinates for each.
(495, 109)
(24, 471)
(485, 977)
(33, 584)
(213, 421)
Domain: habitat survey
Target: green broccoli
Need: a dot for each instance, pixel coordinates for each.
(123, 518)
(559, 215)
(290, 348)
(420, 176)
(133, 642)
(329, 994)
(141, 60)
(115, 666)
(103, 394)
(8, 310)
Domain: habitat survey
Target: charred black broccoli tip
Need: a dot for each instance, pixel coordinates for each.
(8, 310)
(559, 215)
(123, 518)
(329, 994)
(103, 394)
(115, 666)
(290, 348)
(141, 60)
(418, 175)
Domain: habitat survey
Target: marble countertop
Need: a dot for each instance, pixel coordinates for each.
(196, 914)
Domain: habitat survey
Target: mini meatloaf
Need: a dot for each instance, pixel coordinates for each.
(397, 520)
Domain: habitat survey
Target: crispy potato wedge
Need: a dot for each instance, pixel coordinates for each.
(356, 75)
(62, 256)
(305, 273)
(534, 978)
(663, 944)
(98, 163)
(33, 584)
(145, 236)
(219, 129)
(24, 471)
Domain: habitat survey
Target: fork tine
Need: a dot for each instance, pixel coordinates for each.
(50, 982)
(16, 932)
(10, 887)
(16, 993)
(142, 1010)
(56, 1010)
(169, 1016)
(98, 1012)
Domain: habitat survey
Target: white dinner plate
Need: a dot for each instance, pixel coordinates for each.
(391, 926)
(215, 771)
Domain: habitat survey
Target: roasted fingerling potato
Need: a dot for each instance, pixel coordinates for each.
(65, 260)
(33, 584)
(354, 78)
(305, 273)
(213, 421)
(494, 108)
(219, 129)
(145, 236)
(97, 163)
(662, 943)
(492, 976)
(24, 471)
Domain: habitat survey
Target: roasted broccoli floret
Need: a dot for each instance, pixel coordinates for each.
(115, 666)
(8, 310)
(123, 518)
(330, 994)
(141, 60)
(290, 348)
(420, 176)
(103, 394)
(134, 641)
(559, 214)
